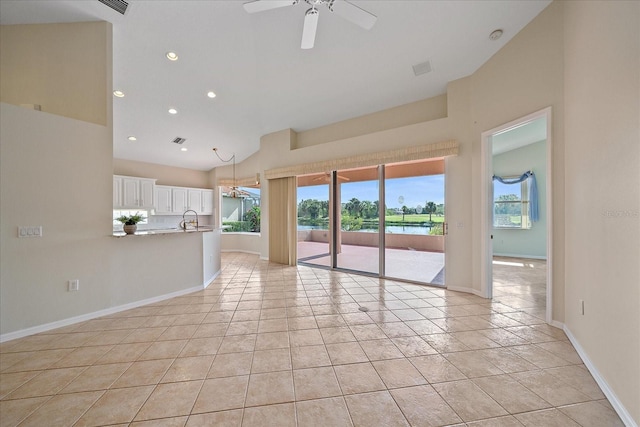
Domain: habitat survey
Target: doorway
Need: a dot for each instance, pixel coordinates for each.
(516, 208)
(386, 220)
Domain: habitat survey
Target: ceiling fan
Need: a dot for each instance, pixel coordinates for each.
(342, 8)
(326, 178)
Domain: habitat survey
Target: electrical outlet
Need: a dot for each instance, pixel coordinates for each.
(74, 285)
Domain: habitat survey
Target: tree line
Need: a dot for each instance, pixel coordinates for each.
(317, 209)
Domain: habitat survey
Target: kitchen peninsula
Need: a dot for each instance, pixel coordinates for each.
(175, 261)
(175, 250)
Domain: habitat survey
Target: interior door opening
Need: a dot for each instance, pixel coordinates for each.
(516, 210)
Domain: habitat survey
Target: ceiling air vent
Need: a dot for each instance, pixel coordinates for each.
(119, 6)
(179, 140)
(422, 68)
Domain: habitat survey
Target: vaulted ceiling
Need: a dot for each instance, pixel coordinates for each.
(263, 80)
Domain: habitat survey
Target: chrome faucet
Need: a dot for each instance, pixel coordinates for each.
(183, 223)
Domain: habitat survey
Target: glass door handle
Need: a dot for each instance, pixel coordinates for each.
(445, 228)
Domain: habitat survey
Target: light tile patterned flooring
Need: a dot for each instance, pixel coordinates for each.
(269, 345)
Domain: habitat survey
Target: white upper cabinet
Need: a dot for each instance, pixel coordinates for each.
(132, 193)
(163, 200)
(146, 193)
(207, 202)
(171, 200)
(117, 192)
(179, 200)
(194, 197)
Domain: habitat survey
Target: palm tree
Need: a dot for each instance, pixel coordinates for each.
(353, 207)
(404, 211)
(430, 208)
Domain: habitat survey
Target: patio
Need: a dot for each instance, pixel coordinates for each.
(405, 264)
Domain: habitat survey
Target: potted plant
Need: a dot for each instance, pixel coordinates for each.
(129, 222)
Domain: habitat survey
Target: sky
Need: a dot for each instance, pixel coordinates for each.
(414, 191)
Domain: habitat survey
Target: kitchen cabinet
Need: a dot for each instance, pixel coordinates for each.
(163, 200)
(171, 200)
(194, 200)
(133, 193)
(178, 200)
(117, 192)
(207, 202)
(201, 201)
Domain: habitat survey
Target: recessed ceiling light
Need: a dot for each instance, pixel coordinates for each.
(495, 35)
(132, 138)
(183, 149)
(211, 94)
(173, 111)
(118, 93)
(172, 56)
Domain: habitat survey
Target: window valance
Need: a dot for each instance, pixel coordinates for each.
(420, 152)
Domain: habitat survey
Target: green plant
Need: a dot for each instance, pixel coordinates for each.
(130, 219)
(253, 215)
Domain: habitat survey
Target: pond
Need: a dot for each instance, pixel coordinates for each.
(389, 229)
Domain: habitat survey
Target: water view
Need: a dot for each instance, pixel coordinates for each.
(390, 229)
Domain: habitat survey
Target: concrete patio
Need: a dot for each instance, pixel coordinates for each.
(405, 264)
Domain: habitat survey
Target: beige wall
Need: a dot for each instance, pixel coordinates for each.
(403, 115)
(165, 175)
(51, 176)
(602, 134)
(56, 172)
(61, 67)
(523, 77)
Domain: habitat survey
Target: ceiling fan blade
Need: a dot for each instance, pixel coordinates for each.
(262, 5)
(309, 30)
(353, 13)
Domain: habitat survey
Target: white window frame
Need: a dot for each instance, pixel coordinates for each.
(525, 221)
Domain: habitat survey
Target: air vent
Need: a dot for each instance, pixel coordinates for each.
(422, 68)
(179, 140)
(119, 6)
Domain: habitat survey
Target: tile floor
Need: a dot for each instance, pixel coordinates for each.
(268, 345)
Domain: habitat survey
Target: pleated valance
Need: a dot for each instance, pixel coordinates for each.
(240, 182)
(420, 152)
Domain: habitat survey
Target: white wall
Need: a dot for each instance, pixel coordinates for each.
(602, 130)
(530, 243)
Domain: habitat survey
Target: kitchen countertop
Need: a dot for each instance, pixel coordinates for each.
(157, 232)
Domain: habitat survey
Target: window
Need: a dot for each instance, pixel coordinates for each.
(240, 209)
(511, 205)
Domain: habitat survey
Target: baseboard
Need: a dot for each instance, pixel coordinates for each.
(466, 290)
(105, 312)
(613, 399)
(206, 284)
(520, 256)
(241, 251)
(557, 324)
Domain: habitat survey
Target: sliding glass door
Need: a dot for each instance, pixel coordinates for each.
(314, 219)
(357, 238)
(414, 231)
(384, 220)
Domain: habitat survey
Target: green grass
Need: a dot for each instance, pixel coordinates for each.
(413, 218)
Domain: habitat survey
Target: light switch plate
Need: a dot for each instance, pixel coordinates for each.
(30, 231)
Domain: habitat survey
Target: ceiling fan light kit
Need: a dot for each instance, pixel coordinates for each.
(342, 8)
